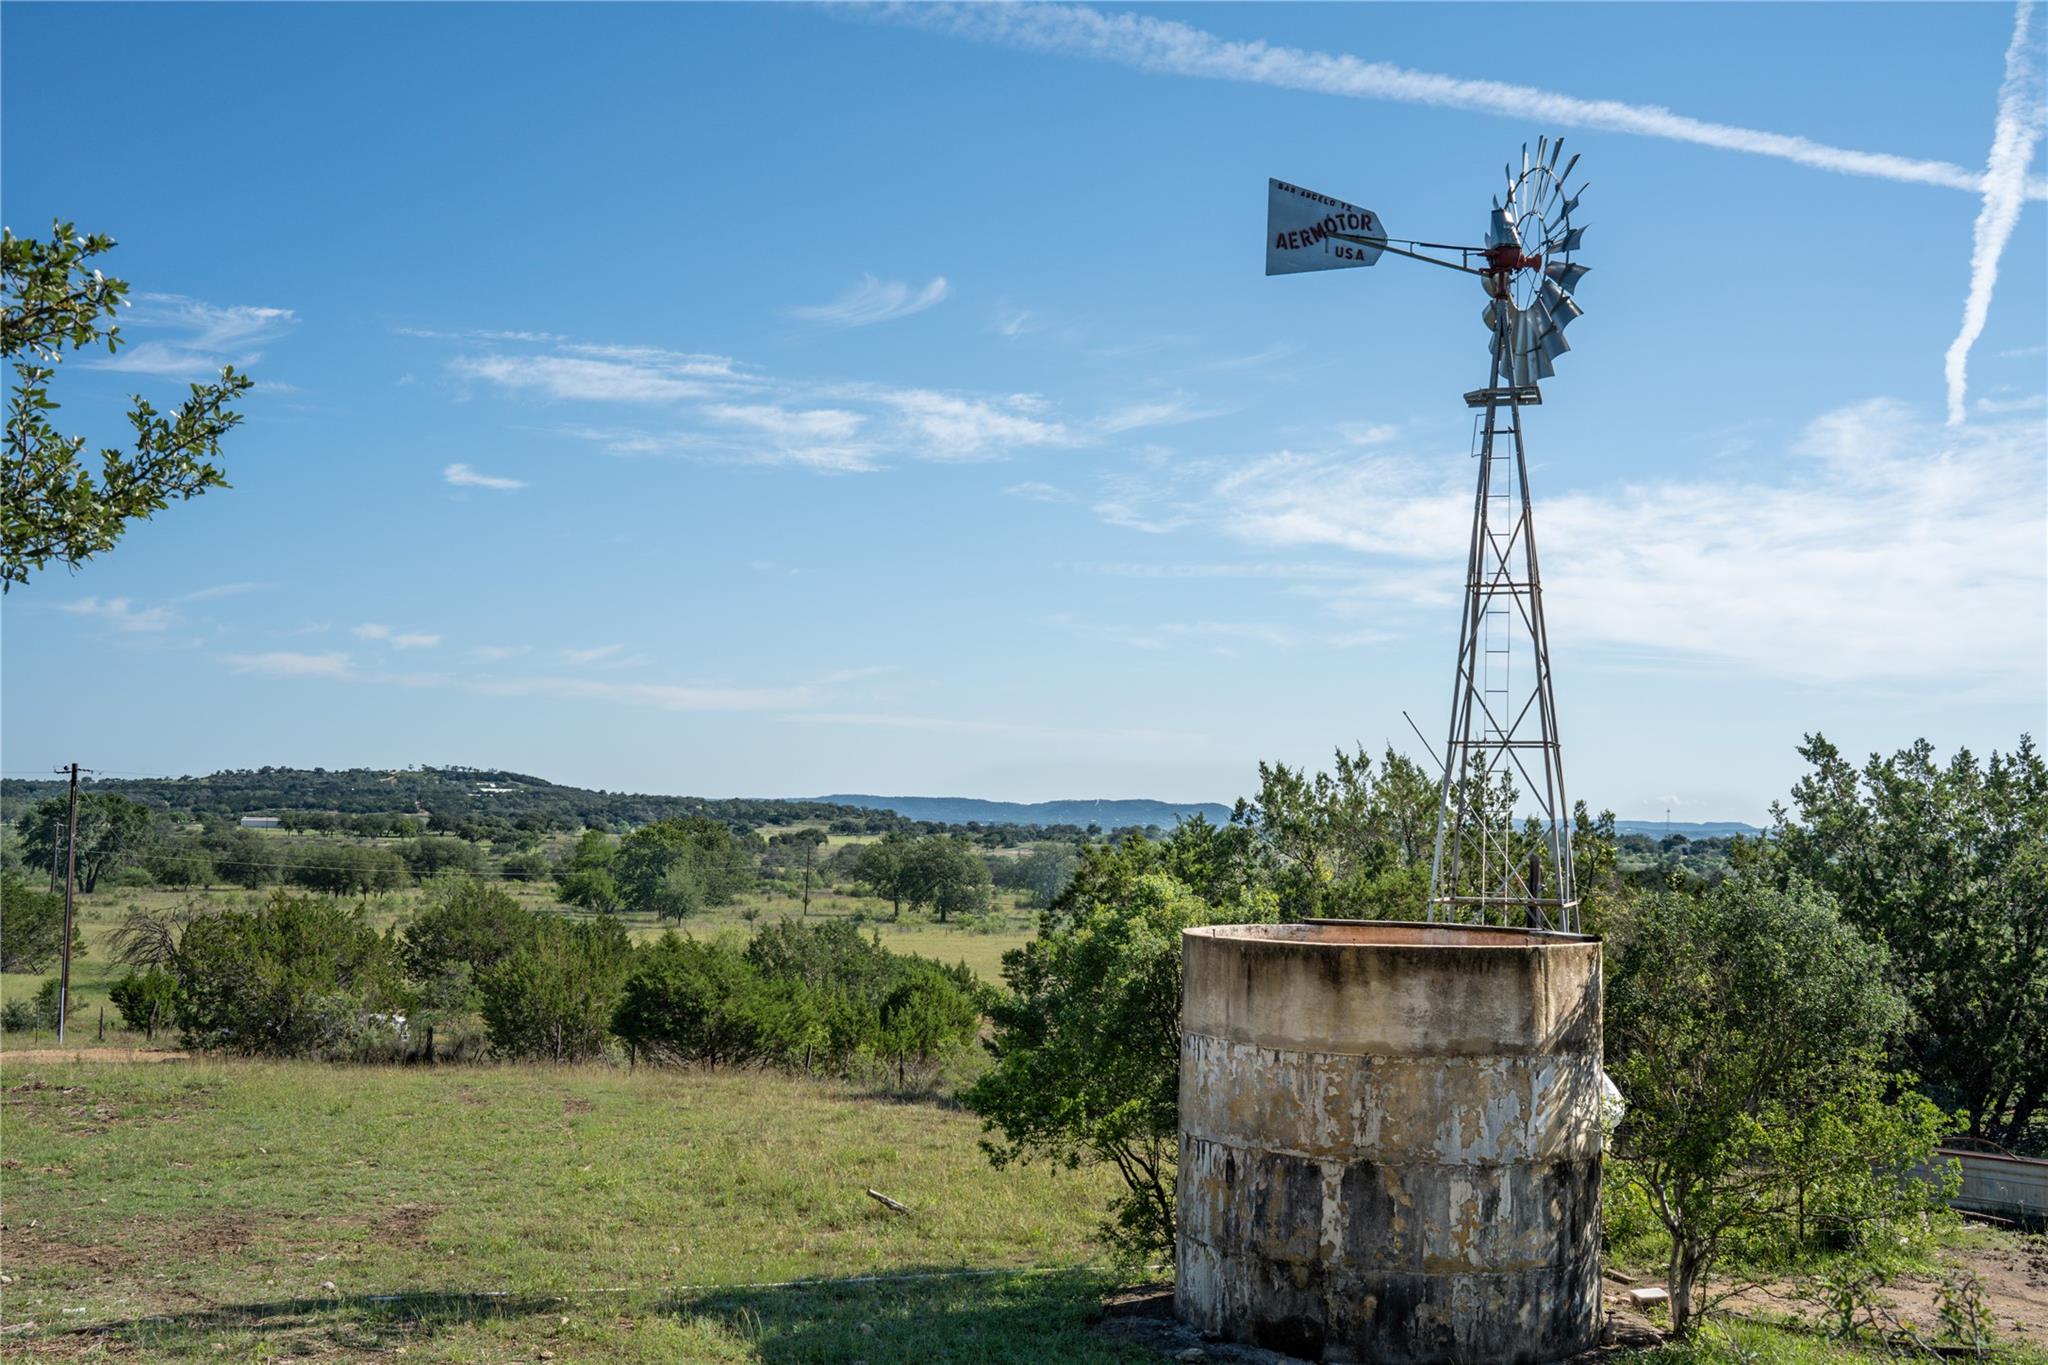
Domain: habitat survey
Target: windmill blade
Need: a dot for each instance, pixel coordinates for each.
(1566, 274)
(1555, 148)
(1525, 158)
(1554, 344)
(1564, 210)
(1568, 167)
(1561, 308)
(1542, 144)
(1569, 242)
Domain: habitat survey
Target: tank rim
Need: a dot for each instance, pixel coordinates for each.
(1378, 934)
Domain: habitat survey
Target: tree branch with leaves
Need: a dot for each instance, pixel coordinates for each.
(56, 301)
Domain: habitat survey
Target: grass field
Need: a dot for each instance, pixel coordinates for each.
(264, 1211)
(301, 1211)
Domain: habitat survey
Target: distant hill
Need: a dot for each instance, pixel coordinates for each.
(1707, 829)
(453, 795)
(961, 810)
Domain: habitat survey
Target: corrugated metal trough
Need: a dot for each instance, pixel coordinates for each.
(1390, 1141)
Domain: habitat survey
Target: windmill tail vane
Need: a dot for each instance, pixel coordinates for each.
(1502, 853)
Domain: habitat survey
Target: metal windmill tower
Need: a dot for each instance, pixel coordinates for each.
(1491, 864)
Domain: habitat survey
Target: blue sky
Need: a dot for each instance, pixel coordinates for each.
(782, 400)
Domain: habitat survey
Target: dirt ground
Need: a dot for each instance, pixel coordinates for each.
(2013, 1272)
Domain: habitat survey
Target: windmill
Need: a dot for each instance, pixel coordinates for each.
(1489, 865)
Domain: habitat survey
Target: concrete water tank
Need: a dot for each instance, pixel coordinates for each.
(1390, 1141)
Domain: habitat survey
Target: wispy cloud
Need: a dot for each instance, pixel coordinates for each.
(462, 476)
(499, 653)
(820, 438)
(1038, 492)
(593, 655)
(604, 374)
(1847, 566)
(199, 338)
(1167, 47)
(370, 630)
(2021, 116)
(284, 663)
(121, 613)
(873, 301)
(663, 696)
(713, 409)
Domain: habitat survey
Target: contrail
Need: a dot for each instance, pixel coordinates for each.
(1171, 48)
(2021, 114)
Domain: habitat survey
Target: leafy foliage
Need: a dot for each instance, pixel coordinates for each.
(1947, 864)
(675, 868)
(57, 301)
(294, 977)
(801, 996)
(1746, 1028)
(552, 996)
(111, 830)
(147, 1000)
(32, 926)
(461, 935)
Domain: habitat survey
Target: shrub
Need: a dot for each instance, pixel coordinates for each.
(32, 926)
(695, 1002)
(925, 1018)
(292, 977)
(39, 1011)
(469, 928)
(146, 1000)
(553, 996)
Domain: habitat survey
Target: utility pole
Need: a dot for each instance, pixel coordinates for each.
(70, 881)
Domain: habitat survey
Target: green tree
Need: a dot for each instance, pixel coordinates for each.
(686, 1001)
(294, 977)
(924, 1018)
(944, 873)
(433, 854)
(1040, 874)
(1948, 865)
(334, 868)
(112, 831)
(55, 300)
(884, 868)
(463, 933)
(32, 926)
(1344, 844)
(1086, 1047)
(1746, 1029)
(716, 866)
(147, 1000)
(553, 996)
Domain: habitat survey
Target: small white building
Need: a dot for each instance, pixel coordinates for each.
(259, 822)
